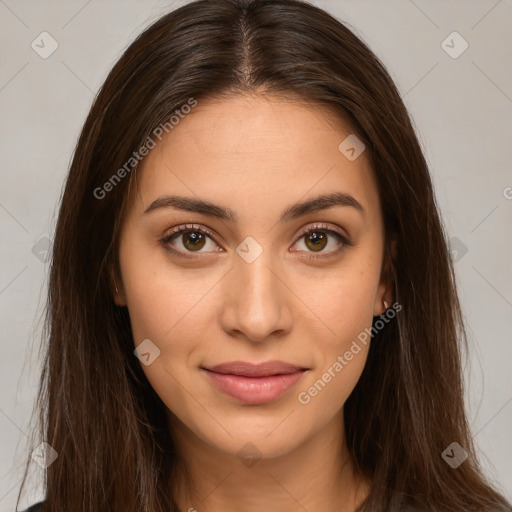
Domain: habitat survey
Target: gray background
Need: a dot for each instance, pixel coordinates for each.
(462, 108)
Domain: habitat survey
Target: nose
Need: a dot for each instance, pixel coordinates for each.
(256, 301)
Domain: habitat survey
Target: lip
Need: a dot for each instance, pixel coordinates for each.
(255, 384)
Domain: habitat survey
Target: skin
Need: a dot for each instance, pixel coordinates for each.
(256, 156)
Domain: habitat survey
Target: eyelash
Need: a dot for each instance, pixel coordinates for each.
(192, 228)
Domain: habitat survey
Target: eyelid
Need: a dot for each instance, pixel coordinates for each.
(320, 226)
(192, 227)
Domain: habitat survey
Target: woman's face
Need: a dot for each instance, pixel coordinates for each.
(264, 274)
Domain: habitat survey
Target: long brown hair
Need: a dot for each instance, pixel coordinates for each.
(97, 409)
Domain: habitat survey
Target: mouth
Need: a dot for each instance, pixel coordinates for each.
(254, 384)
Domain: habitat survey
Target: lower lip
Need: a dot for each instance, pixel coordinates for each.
(254, 390)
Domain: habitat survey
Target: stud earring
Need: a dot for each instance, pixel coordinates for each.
(117, 291)
(386, 305)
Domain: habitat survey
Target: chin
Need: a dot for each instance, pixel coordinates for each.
(248, 435)
(253, 444)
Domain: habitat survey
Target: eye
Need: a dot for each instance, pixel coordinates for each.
(190, 238)
(185, 240)
(319, 237)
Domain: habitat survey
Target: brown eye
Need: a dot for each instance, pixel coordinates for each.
(193, 240)
(316, 240)
(185, 240)
(320, 241)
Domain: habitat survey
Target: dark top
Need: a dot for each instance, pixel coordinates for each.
(38, 508)
(35, 508)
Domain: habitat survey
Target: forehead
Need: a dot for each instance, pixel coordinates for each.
(255, 152)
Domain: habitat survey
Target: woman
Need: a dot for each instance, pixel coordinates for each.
(251, 302)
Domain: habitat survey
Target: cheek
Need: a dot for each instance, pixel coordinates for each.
(169, 309)
(343, 299)
(159, 297)
(344, 303)
(161, 312)
(172, 320)
(347, 312)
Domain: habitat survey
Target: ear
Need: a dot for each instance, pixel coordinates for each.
(116, 287)
(385, 290)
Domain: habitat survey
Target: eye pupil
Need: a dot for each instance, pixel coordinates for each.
(317, 239)
(195, 239)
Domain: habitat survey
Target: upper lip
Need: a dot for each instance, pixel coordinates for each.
(255, 370)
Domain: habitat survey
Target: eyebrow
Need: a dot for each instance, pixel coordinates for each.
(321, 202)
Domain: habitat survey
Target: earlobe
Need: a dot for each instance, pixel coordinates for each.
(385, 292)
(382, 302)
(117, 292)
